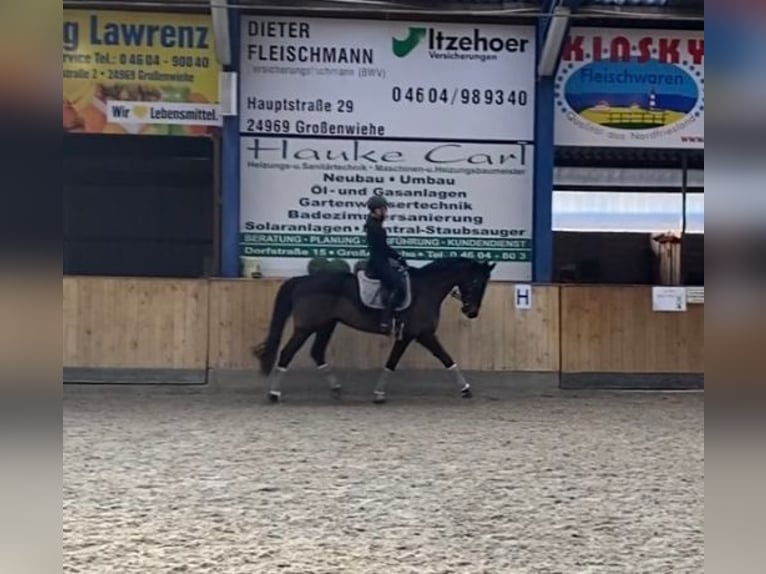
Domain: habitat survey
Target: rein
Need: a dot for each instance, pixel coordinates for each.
(456, 292)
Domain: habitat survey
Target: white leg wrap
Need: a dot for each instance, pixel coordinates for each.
(459, 377)
(275, 381)
(329, 376)
(380, 387)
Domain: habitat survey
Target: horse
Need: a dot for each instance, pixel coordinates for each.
(319, 302)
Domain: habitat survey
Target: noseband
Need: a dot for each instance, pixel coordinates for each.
(456, 293)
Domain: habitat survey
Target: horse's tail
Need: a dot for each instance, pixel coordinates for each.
(266, 352)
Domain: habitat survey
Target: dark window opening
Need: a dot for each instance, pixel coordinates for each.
(138, 206)
(609, 204)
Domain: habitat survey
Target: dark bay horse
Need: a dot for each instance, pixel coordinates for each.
(319, 302)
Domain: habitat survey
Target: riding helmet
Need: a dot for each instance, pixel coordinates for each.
(376, 202)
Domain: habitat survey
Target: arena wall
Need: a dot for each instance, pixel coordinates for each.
(611, 337)
(141, 330)
(135, 330)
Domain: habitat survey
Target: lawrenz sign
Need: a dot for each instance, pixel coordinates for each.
(106, 33)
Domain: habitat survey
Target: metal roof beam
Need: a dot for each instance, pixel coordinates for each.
(219, 11)
(555, 23)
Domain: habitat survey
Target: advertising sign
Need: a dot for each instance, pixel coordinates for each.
(305, 199)
(437, 118)
(387, 79)
(139, 73)
(631, 88)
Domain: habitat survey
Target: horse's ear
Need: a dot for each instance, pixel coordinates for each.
(492, 266)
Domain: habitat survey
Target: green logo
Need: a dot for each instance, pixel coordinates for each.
(403, 47)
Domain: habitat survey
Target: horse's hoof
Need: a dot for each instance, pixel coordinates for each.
(336, 392)
(379, 399)
(275, 397)
(466, 393)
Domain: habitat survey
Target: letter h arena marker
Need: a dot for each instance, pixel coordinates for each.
(523, 297)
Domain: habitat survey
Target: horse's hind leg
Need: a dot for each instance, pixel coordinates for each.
(430, 342)
(292, 346)
(393, 361)
(318, 353)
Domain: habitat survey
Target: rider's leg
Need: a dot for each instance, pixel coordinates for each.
(389, 303)
(394, 285)
(318, 352)
(430, 342)
(285, 357)
(393, 360)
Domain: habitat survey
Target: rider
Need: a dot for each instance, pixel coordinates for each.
(380, 254)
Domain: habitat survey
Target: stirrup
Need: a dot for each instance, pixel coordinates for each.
(386, 326)
(398, 328)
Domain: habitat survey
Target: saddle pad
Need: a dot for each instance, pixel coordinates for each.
(371, 292)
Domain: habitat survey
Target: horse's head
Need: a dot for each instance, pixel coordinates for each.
(471, 287)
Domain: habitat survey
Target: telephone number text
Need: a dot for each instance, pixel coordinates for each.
(459, 96)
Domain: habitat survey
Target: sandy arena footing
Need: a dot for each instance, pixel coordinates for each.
(532, 480)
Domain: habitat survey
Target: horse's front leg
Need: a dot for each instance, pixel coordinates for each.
(430, 342)
(319, 352)
(393, 360)
(292, 346)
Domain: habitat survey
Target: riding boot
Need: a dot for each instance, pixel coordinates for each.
(387, 316)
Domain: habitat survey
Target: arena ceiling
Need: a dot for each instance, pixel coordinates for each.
(420, 5)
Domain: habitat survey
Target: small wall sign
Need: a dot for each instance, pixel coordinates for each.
(669, 299)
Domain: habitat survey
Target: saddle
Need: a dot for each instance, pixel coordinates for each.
(372, 294)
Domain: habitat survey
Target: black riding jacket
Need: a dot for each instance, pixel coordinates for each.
(377, 243)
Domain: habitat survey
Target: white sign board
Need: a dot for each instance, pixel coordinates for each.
(367, 78)
(631, 88)
(522, 297)
(695, 295)
(669, 299)
(437, 118)
(306, 198)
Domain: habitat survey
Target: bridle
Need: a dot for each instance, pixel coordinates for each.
(456, 292)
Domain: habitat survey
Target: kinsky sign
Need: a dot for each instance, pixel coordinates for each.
(631, 88)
